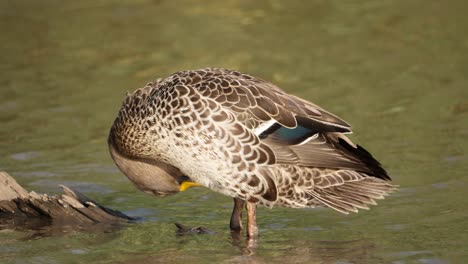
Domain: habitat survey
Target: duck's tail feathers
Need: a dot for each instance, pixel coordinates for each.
(353, 195)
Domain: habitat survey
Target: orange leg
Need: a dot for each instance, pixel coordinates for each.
(252, 229)
(236, 217)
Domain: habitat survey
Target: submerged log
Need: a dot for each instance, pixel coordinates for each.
(187, 230)
(17, 207)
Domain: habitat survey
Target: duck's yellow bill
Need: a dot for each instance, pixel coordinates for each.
(187, 184)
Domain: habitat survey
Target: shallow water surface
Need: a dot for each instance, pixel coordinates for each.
(396, 70)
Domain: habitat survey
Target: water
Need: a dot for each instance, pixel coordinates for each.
(396, 70)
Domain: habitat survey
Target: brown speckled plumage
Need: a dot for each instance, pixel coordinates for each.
(246, 138)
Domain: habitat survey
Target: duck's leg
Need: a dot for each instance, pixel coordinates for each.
(252, 229)
(236, 217)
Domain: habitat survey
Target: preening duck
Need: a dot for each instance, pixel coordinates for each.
(243, 137)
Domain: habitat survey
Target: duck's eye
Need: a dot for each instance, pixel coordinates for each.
(183, 178)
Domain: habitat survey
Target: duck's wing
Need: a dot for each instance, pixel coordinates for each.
(299, 132)
(323, 150)
(257, 102)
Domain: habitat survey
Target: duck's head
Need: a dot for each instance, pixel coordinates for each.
(151, 176)
(128, 145)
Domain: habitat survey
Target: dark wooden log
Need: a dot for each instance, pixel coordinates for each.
(18, 207)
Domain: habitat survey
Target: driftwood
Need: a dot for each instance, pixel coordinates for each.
(19, 208)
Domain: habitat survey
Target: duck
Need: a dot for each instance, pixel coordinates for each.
(246, 138)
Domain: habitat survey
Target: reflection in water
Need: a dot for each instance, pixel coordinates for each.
(254, 251)
(34, 225)
(247, 245)
(302, 251)
(37, 228)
